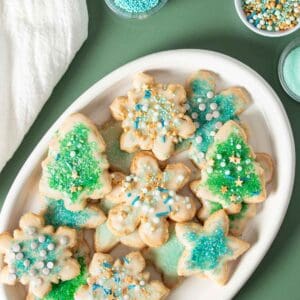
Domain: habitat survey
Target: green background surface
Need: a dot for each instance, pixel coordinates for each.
(204, 24)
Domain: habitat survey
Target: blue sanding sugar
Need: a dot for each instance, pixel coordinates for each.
(137, 6)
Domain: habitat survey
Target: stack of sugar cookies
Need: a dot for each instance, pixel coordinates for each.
(171, 179)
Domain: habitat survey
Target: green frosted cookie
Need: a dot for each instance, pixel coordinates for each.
(119, 160)
(166, 257)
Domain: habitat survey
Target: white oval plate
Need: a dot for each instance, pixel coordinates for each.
(269, 132)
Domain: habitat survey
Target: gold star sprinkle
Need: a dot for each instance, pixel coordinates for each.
(232, 158)
(224, 189)
(238, 182)
(211, 162)
(232, 198)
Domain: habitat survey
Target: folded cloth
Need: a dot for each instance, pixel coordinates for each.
(38, 40)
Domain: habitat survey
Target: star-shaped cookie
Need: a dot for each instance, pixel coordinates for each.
(208, 249)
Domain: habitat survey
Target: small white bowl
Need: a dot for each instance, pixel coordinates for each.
(242, 15)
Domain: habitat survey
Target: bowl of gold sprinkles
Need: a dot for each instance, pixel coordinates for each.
(272, 18)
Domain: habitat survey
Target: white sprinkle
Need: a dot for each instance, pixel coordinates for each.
(239, 168)
(43, 253)
(210, 94)
(42, 238)
(145, 208)
(238, 146)
(201, 154)
(125, 297)
(151, 210)
(202, 107)
(130, 115)
(216, 114)
(16, 248)
(187, 106)
(213, 106)
(227, 172)
(218, 125)
(209, 170)
(180, 178)
(199, 100)
(142, 282)
(46, 271)
(212, 133)
(189, 206)
(19, 256)
(219, 156)
(26, 263)
(72, 153)
(128, 178)
(199, 139)
(155, 220)
(51, 247)
(194, 115)
(145, 107)
(172, 193)
(208, 117)
(222, 164)
(269, 28)
(50, 265)
(33, 245)
(12, 255)
(197, 124)
(247, 161)
(64, 240)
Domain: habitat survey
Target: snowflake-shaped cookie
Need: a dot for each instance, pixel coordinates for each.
(75, 168)
(210, 110)
(153, 117)
(230, 174)
(38, 256)
(120, 280)
(208, 249)
(147, 198)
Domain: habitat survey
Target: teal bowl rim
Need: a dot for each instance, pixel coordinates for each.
(291, 46)
(122, 13)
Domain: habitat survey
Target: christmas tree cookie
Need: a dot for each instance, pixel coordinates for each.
(208, 249)
(148, 198)
(75, 168)
(38, 256)
(123, 279)
(209, 111)
(230, 174)
(153, 117)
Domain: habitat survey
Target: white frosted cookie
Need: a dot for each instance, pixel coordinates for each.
(148, 198)
(230, 174)
(76, 167)
(123, 279)
(153, 117)
(38, 256)
(208, 249)
(209, 110)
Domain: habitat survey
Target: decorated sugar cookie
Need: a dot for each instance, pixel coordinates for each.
(153, 117)
(57, 215)
(231, 175)
(147, 198)
(123, 279)
(37, 255)
(165, 258)
(65, 290)
(118, 159)
(238, 221)
(75, 168)
(104, 239)
(208, 249)
(210, 110)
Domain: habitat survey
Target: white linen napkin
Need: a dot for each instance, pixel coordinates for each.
(38, 40)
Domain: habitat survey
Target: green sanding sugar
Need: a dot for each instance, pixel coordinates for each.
(75, 169)
(208, 249)
(136, 6)
(291, 71)
(57, 215)
(233, 176)
(65, 290)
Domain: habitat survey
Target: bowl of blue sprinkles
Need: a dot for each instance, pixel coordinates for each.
(135, 9)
